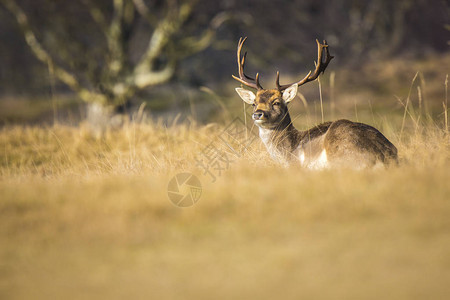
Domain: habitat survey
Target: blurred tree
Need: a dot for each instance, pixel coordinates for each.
(99, 66)
(356, 30)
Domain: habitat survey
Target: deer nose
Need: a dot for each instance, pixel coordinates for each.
(258, 115)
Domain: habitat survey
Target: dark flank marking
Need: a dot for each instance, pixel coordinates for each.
(345, 135)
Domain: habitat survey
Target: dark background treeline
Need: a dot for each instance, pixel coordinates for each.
(281, 37)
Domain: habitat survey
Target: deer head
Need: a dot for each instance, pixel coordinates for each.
(270, 105)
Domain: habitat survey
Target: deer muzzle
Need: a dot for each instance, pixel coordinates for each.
(259, 115)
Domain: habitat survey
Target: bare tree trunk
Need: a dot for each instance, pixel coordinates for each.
(102, 117)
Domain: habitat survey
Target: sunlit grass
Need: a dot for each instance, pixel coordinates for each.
(89, 217)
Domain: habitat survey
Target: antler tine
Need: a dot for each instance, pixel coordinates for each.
(259, 87)
(243, 63)
(244, 79)
(277, 82)
(320, 66)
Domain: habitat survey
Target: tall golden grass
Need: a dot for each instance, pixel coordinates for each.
(86, 217)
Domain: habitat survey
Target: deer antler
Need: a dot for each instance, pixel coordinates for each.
(244, 79)
(320, 67)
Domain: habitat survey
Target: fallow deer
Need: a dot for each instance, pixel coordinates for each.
(337, 143)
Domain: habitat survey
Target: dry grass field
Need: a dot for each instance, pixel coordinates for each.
(86, 218)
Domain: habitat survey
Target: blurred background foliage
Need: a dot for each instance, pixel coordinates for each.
(376, 44)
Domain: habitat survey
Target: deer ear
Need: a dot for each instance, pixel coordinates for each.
(290, 93)
(246, 95)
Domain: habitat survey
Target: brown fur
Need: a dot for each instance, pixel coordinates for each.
(345, 142)
(345, 138)
(340, 142)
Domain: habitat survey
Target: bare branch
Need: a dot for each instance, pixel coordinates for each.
(144, 11)
(114, 36)
(161, 36)
(41, 54)
(146, 79)
(195, 44)
(141, 7)
(97, 15)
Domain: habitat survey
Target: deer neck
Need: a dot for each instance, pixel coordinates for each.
(282, 140)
